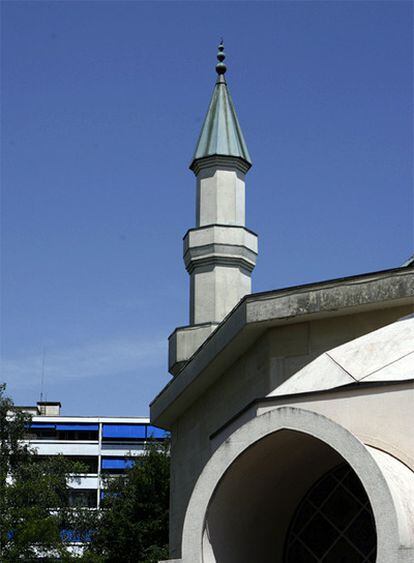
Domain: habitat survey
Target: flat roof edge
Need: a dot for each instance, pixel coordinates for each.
(255, 311)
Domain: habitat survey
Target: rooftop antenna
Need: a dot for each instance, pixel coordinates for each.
(42, 379)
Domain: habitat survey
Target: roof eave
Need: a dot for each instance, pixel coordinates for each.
(257, 312)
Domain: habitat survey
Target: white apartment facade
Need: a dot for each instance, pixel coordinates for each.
(104, 444)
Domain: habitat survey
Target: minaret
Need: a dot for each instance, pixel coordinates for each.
(219, 253)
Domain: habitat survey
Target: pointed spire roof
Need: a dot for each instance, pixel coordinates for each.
(221, 134)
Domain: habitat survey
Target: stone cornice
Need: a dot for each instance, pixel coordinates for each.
(223, 245)
(221, 162)
(214, 259)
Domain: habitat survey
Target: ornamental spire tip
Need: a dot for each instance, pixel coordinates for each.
(221, 55)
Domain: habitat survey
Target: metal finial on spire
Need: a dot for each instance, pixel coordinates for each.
(221, 55)
(221, 134)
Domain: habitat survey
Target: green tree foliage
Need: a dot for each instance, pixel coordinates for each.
(132, 526)
(133, 522)
(34, 507)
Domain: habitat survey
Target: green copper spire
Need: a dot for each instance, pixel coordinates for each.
(221, 134)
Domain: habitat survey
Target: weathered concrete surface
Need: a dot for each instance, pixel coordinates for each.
(184, 342)
(249, 320)
(220, 196)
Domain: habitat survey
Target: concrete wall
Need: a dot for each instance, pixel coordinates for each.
(220, 197)
(277, 355)
(381, 417)
(214, 290)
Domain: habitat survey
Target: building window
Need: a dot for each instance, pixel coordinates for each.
(89, 462)
(124, 432)
(74, 435)
(73, 431)
(69, 431)
(115, 465)
(132, 432)
(334, 522)
(154, 433)
(83, 497)
(41, 431)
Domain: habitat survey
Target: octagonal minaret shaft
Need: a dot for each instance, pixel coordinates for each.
(220, 253)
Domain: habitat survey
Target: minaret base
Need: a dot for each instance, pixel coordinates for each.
(184, 342)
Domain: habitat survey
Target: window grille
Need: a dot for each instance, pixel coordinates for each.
(334, 522)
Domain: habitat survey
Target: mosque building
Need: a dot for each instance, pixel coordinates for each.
(290, 411)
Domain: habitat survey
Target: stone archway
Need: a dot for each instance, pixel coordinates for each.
(245, 499)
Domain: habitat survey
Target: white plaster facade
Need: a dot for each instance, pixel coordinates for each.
(82, 438)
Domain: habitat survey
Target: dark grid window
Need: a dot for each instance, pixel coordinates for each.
(333, 523)
(83, 498)
(77, 435)
(89, 462)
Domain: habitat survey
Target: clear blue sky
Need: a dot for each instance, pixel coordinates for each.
(102, 106)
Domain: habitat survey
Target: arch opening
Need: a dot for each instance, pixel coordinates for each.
(252, 513)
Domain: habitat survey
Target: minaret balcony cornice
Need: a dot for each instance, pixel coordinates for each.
(232, 258)
(216, 245)
(220, 162)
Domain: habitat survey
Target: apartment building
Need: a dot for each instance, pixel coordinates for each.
(104, 444)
